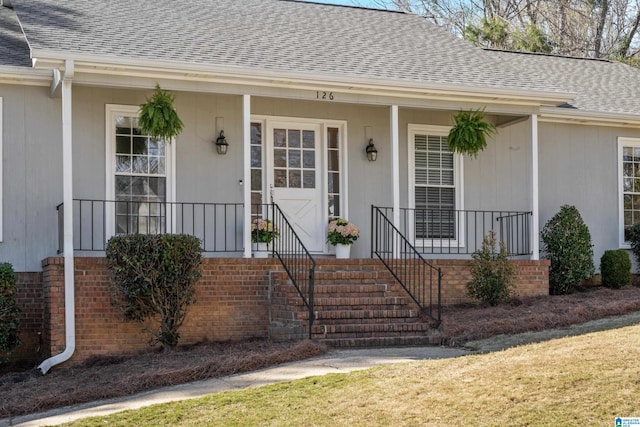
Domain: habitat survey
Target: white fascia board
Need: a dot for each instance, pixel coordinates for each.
(25, 76)
(253, 76)
(590, 118)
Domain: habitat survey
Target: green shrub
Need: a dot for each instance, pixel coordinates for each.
(632, 235)
(566, 242)
(492, 273)
(154, 280)
(9, 311)
(615, 268)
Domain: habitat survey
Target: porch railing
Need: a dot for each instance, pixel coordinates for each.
(219, 226)
(295, 259)
(458, 232)
(418, 277)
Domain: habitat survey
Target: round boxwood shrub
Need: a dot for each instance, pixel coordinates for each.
(9, 311)
(566, 242)
(615, 267)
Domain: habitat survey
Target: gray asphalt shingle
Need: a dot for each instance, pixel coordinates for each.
(600, 86)
(14, 50)
(276, 35)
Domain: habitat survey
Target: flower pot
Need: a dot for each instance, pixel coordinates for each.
(261, 250)
(343, 251)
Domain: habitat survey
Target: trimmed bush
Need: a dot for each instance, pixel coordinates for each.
(566, 242)
(9, 311)
(492, 273)
(632, 235)
(154, 280)
(615, 267)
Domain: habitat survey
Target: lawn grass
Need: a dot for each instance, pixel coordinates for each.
(584, 380)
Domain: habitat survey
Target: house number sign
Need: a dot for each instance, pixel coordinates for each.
(324, 95)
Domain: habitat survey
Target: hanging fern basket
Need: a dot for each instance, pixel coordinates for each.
(470, 132)
(158, 117)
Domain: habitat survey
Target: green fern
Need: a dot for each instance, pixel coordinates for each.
(158, 118)
(469, 134)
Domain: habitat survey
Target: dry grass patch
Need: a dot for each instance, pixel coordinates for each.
(585, 380)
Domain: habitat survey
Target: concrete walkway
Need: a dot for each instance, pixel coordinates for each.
(339, 361)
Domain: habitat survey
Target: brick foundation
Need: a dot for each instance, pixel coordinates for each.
(232, 302)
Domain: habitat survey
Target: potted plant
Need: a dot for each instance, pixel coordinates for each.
(263, 231)
(342, 234)
(158, 118)
(470, 132)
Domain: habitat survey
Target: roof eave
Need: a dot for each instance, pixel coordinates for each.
(24, 76)
(254, 76)
(593, 118)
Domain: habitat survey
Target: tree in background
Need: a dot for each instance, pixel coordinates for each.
(583, 28)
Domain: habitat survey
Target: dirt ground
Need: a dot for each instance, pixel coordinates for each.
(106, 377)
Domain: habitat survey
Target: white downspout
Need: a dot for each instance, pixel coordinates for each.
(67, 198)
(246, 138)
(535, 197)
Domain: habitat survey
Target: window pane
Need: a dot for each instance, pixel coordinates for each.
(280, 158)
(256, 134)
(123, 145)
(123, 164)
(334, 160)
(256, 156)
(294, 138)
(309, 139)
(140, 164)
(123, 186)
(256, 179)
(154, 165)
(309, 179)
(334, 182)
(140, 145)
(279, 138)
(334, 206)
(280, 178)
(332, 137)
(309, 159)
(295, 179)
(294, 159)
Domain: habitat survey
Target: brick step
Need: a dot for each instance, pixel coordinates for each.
(367, 329)
(359, 303)
(402, 341)
(361, 315)
(342, 290)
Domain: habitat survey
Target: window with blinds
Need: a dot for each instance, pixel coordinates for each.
(434, 186)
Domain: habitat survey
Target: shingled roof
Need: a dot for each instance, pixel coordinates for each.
(600, 86)
(14, 50)
(274, 35)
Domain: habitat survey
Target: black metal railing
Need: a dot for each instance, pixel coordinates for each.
(219, 226)
(418, 277)
(458, 232)
(295, 259)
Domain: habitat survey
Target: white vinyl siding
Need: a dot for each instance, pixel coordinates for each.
(628, 185)
(435, 184)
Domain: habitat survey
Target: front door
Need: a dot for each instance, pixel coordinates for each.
(294, 178)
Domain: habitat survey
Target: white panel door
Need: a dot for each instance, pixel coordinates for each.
(294, 178)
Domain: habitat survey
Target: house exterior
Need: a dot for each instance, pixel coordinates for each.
(298, 90)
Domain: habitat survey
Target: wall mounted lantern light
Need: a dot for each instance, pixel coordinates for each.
(372, 153)
(221, 144)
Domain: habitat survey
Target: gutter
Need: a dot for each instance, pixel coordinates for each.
(158, 69)
(67, 184)
(592, 118)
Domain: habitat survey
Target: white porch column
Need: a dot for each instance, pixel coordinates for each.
(67, 199)
(246, 179)
(395, 165)
(535, 209)
(395, 173)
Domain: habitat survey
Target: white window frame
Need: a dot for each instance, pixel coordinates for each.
(623, 142)
(111, 111)
(458, 177)
(1, 172)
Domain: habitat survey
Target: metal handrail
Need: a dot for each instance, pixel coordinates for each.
(295, 259)
(406, 264)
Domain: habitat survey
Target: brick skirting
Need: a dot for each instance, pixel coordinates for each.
(232, 302)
